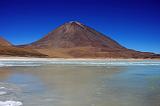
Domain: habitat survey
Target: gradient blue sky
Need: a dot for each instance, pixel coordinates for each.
(133, 23)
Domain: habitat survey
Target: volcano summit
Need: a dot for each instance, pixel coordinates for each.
(75, 34)
(76, 40)
(73, 40)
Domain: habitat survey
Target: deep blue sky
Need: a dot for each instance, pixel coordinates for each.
(133, 23)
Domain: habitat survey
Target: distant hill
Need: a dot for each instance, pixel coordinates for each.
(7, 49)
(74, 40)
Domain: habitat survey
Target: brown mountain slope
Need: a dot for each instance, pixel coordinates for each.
(75, 34)
(92, 53)
(22, 52)
(7, 49)
(75, 40)
(4, 42)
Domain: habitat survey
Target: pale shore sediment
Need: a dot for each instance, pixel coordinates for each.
(69, 59)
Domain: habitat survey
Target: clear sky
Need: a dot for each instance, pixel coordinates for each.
(133, 23)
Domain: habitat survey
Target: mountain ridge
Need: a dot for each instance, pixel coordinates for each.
(76, 40)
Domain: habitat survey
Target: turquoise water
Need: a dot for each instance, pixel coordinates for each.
(81, 85)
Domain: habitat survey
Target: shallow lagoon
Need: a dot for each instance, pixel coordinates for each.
(50, 84)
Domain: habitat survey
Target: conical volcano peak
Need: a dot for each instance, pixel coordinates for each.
(75, 23)
(76, 40)
(72, 26)
(74, 34)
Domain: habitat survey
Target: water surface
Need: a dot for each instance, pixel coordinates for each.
(81, 85)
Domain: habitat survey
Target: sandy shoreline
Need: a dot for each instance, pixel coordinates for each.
(69, 59)
(28, 61)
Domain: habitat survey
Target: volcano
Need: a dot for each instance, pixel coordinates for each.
(76, 40)
(75, 34)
